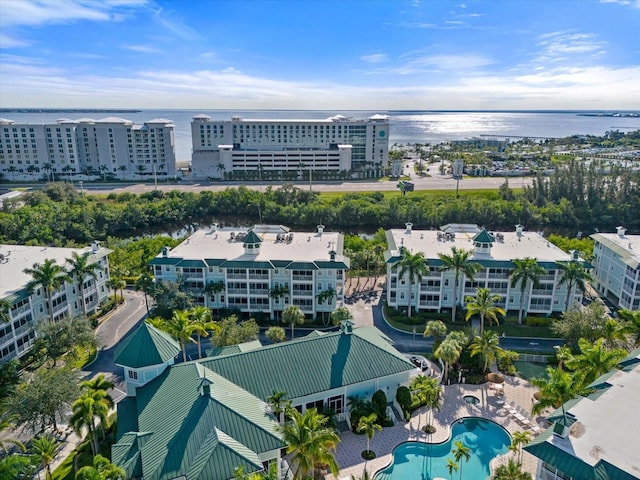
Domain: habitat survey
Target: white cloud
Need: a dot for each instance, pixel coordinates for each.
(558, 45)
(142, 48)
(375, 58)
(7, 41)
(634, 3)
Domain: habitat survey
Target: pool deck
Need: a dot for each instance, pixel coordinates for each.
(516, 390)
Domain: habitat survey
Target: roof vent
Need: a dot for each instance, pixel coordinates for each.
(409, 226)
(165, 252)
(95, 246)
(320, 228)
(621, 231)
(519, 229)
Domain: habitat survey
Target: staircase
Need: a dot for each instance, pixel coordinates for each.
(343, 426)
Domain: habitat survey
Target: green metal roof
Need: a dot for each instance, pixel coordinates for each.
(548, 448)
(321, 363)
(328, 264)
(214, 262)
(280, 263)
(146, 346)
(483, 237)
(202, 436)
(252, 237)
(165, 261)
(192, 263)
(631, 359)
(232, 349)
(247, 264)
(302, 266)
(16, 296)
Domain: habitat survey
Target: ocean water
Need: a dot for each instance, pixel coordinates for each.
(406, 127)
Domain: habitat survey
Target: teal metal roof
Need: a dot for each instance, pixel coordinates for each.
(280, 263)
(328, 264)
(165, 261)
(302, 266)
(321, 363)
(483, 237)
(214, 262)
(547, 448)
(247, 264)
(16, 296)
(202, 436)
(146, 346)
(192, 263)
(252, 237)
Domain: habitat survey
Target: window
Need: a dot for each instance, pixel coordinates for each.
(133, 374)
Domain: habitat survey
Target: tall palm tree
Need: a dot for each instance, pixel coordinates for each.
(573, 274)
(526, 270)
(293, 316)
(518, 440)
(81, 268)
(414, 266)
(449, 352)
(44, 450)
(483, 306)
(615, 333)
(201, 324)
(511, 471)
(145, 284)
(460, 262)
(557, 388)
(179, 326)
(276, 293)
(452, 467)
(279, 404)
(563, 354)
(311, 442)
(487, 346)
(5, 308)
(436, 329)
(49, 276)
(428, 391)
(102, 469)
(325, 296)
(595, 359)
(84, 412)
(461, 451)
(100, 384)
(368, 424)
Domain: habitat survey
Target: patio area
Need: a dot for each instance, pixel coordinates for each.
(518, 394)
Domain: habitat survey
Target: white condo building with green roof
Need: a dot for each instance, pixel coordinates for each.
(27, 309)
(597, 436)
(495, 252)
(264, 268)
(202, 419)
(616, 262)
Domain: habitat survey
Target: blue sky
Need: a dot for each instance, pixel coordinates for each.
(313, 54)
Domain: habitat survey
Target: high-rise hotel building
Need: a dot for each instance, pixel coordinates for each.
(97, 148)
(335, 144)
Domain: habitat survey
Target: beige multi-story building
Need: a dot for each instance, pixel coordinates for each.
(87, 148)
(495, 252)
(261, 269)
(616, 262)
(335, 144)
(27, 309)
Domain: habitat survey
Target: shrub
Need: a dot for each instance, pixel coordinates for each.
(379, 401)
(538, 321)
(403, 397)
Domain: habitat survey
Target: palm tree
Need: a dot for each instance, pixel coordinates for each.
(44, 450)
(632, 319)
(141, 169)
(460, 262)
(179, 327)
(5, 308)
(614, 333)
(122, 168)
(449, 353)
(279, 404)
(557, 388)
(414, 266)
(6, 422)
(459, 452)
(563, 354)
(49, 276)
(276, 334)
(573, 274)
(293, 316)
(145, 284)
(511, 471)
(84, 412)
(369, 426)
(102, 469)
(452, 466)
(276, 293)
(483, 306)
(595, 359)
(436, 329)
(325, 296)
(311, 442)
(47, 167)
(213, 289)
(201, 324)
(428, 391)
(340, 315)
(80, 269)
(518, 440)
(526, 270)
(487, 345)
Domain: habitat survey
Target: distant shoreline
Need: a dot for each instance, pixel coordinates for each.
(66, 110)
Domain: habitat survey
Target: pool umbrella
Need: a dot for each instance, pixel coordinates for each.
(494, 377)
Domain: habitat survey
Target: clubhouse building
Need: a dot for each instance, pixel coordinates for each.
(203, 419)
(495, 252)
(264, 268)
(26, 309)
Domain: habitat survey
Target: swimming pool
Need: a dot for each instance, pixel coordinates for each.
(426, 461)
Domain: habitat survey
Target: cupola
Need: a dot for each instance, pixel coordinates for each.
(252, 243)
(482, 243)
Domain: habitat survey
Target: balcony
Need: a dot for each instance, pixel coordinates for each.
(258, 276)
(237, 291)
(304, 278)
(19, 311)
(430, 303)
(239, 276)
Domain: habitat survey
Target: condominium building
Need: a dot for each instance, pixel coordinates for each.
(593, 437)
(261, 269)
(110, 147)
(27, 309)
(495, 252)
(616, 261)
(336, 144)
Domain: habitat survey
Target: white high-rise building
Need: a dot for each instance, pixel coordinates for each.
(26, 309)
(110, 147)
(616, 262)
(335, 144)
